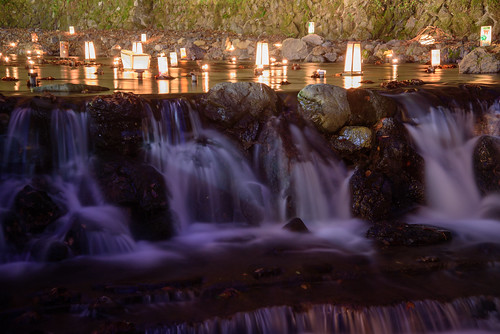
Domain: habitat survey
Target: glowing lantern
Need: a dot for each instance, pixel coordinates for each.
(173, 59)
(143, 38)
(183, 53)
(284, 61)
(205, 67)
(63, 49)
(262, 58)
(89, 51)
(435, 57)
(71, 30)
(162, 65)
(321, 73)
(310, 28)
(485, 36)
(34, 37)
(13, 44)
(137, 47)
(353, 59)
(134, 61)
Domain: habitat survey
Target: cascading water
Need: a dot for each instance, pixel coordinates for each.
(208, 178)
(468, 315)
(100, 227)
(445, 139)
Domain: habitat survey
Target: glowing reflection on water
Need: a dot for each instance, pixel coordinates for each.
(352, 81)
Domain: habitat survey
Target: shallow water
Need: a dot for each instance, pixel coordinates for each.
(231, 72)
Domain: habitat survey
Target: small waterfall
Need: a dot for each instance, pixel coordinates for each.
(101, 228)
(208, 178)
(319, 183)
(444, 140)
(467, 315)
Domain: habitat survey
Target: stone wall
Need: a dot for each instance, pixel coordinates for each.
(335, 19)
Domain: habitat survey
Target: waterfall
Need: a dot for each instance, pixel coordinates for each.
(208, 178)
(466, 315)
(69, 184)
(445, 139)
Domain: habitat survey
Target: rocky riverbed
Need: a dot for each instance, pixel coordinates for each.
(220, 45)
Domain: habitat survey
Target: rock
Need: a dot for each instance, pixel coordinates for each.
(294, 49)
(480, 61)
(32, 212)
(194, 52)
(330, 56)
(314, 59)
(390, 182)
(402, 234)
(353, 139)
(199, 43)
(296, 225)
(313, 39)
(368, 107)
(142, 189)
(116, 125)
(486, 160)
(70, 88)
(240, 108)
(325, 105)
(54, 39)
(215, 53)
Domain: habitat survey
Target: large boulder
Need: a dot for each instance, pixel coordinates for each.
(240, 108)
(486, 161)
(325, 105)
(313, 39)
(368, 107)
(480, 60)
(294, 49)
(116, 125)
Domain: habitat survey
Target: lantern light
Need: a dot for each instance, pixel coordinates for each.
(143, 38)
(262, 58)
(89, 51)
(310, 27)
(71, 30)
(205, 67)
(183, 53)
(435, 57)
(137, 47)
(162, 65)
(284, 61)
(34, 37)
(63, 49)
(134, 61)
(353, 59)
(173, 59)
(485, 36)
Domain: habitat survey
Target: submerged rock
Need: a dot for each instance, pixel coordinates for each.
(367, 107)
(480, 60)
(70, 88)
(402, 234)
(325, 105)
(486, 159)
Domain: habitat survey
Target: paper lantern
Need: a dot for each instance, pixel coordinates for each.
(353, 59)
(162, 65)
(310, 28)
(435, 57)
(183, 53)
(134, 61)
(173, 59)
(485, 36)
(63, 49)
(262, 57)
(143, 38)
(71, 30)
(89, 51)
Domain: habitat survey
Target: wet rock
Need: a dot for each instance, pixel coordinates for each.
(32, 212)
(367, 107)
(70, 88)
(313, 39)
(486, 160)
(325, 105)
(142, 189)
(351, 141)
(296, 225)
(194, 52)
(116, 125)
(240, 108)
(402, 234)
(403, 83)
(294, 49)
(391, 180)
(480, 60)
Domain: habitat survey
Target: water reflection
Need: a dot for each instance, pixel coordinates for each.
(163, 86)
(352, 81)
(394, 75)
